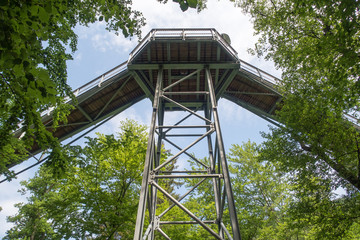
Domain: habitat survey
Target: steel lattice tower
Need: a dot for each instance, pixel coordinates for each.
(216, 169)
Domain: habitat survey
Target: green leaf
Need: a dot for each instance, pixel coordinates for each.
(192, 3)
(43, 15)
(83, 194)
(34, 10)
(184, 6)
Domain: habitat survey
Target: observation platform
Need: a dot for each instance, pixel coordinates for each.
(181, 54)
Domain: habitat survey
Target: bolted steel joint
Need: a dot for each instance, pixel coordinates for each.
(156, 223)
(152, 176)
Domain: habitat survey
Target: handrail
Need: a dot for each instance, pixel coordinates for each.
(98, 81)
(175, 33)
(202, 34)
(164, 34)
(264, 76)
(183, 34)
(352, 119)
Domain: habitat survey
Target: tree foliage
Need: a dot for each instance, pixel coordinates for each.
(276, 200)
(262, 194)
(186, 4)
(316, 44)
(35, 39)
(323, 202)
(98, 197)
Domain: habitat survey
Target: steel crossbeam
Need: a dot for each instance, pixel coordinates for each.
(158, 170)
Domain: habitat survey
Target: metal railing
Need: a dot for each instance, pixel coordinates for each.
(175, 34)
(98, 81)
(183, 34)
(353, 119)
(163, 34)
(206, 34)
(264, 76)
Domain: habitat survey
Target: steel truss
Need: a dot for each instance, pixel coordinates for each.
(216, 169)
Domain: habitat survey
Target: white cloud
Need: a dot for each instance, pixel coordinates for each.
(221, 15)
(103, 40)
(78, 57)
(108, 41)
(8, 210)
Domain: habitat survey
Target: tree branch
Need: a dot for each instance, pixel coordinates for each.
(339, 168)
(358, 155)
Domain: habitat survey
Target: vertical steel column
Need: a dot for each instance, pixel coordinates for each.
(225, 170)
(212, 161)
(153, 220)
(148, 162)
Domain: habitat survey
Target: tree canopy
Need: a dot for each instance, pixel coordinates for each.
(96, 199)
(262, 194)
(316, 45)
(98, 196)
(36, 40)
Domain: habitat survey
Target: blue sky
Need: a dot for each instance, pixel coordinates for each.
(99, 51)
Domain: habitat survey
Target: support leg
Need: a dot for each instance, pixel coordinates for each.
(148, 162)
(227, 184)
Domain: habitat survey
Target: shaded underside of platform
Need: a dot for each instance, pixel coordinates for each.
(182, 54)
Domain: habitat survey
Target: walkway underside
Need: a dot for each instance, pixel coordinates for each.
(184, 55)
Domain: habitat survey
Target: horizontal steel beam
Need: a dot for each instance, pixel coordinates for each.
(253, 93)
(190, 176)
(169, 172)
(186, 222)
(186, 126)
(185, 93)
(145, 66)
(195, 105)
(183, 135)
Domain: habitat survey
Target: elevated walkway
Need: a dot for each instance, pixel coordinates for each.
(181, 54)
